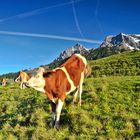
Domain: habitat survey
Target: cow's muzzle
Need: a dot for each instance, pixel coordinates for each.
(26, 84)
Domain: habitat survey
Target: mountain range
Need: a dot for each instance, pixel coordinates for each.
(110, 46)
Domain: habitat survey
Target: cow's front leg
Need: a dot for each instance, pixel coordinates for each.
(53, 106)
(58, 112)
(21, 85)
(75, 96)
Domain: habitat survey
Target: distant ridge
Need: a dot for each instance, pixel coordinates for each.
(111, 45)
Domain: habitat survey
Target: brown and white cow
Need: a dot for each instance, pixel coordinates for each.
(22, 78)
(4, 82)
(58, 83)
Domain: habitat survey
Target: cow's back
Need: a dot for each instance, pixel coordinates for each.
(4, 81)
(24, 76)
(75, 65)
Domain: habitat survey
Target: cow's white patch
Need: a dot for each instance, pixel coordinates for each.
(25, 77)
(58, 109)
(83, 58)
(80, 87)
(17, 78)
(69, 79)
(37, 82)
(40, 89)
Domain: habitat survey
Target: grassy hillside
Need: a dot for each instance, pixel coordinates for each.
(110, 106)
(127, 63)
(110, 110)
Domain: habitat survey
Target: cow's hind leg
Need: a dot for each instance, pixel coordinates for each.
(75, 95)
(80, 87)
(53, 106)
(58, 112)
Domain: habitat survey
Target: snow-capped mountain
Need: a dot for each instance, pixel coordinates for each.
(111, 45)
(114, 45)
(78, 48)
(122, 42)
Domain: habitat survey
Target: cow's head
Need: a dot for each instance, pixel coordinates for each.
(37, 82)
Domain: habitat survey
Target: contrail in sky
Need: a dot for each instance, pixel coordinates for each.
(36, 11)
(97, 8)
(96, 16)
(76, 19)
(50, 36)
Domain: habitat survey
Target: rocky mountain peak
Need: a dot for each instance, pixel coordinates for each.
(78, 48)
(122, 42)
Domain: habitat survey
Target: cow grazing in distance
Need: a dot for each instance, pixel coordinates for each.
(58, 83)
(4, 82)
(22, 78)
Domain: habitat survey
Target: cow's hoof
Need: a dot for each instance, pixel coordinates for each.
(74, 102)
(52, 124)
(57, 125)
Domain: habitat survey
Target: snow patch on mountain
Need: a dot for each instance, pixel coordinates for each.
(124, 41)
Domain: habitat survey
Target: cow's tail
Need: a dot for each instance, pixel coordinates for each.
(16, 80)
(88, 70)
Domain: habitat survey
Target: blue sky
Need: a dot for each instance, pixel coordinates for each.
(57, 24)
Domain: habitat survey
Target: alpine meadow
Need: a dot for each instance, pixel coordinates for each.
(69, 69)
(110, 106)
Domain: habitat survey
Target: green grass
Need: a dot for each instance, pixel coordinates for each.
(110, 110)
(110, 106)
(127, 63)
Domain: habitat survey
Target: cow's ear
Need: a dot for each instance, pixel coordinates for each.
(47, 74)
(41, 69)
